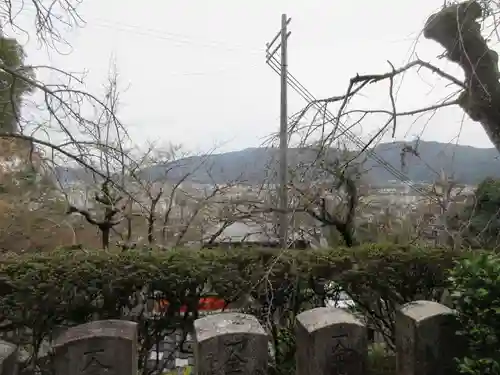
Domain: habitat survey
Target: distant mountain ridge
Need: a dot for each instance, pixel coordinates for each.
(467, 164)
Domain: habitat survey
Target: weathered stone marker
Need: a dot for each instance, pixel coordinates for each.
(103, 347)
(425, 339)
(8, 358)
(330, 341)
(230, 344)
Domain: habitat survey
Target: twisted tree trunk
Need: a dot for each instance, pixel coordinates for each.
(457, 29)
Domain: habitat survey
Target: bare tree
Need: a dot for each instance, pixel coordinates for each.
(323, 124)
(111, 162)
(331, 197)
(53, 116)
(228, 211)
(50, 18)
(159, 177)
(46, 121)
(175, 208)
(457, 28)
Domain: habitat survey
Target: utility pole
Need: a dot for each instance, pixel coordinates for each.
(283, 134)
(300, 89)
(283, 176)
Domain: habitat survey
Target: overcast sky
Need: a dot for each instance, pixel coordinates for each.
(197, 75)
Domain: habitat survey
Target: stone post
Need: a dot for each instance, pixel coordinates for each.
(330, 341)
(425, 339)
(8, 358)
(230, 344)
(104, 347)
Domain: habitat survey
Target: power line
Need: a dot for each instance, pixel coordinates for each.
(271, 61)
(182, 40)
(177, 38)
(306, 94)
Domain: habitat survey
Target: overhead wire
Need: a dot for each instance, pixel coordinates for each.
(155, 33)
(164, 35)
(274, 63)
(177, 39)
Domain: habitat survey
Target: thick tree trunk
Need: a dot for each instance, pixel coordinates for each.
(105, 232)
(457, 29)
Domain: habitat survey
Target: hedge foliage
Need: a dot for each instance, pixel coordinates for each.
(44, 291)
(475, 282)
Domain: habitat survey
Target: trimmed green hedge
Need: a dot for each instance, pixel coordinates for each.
(475, 282)
(41, 292)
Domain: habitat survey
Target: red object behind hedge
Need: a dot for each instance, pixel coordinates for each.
(205, 304)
